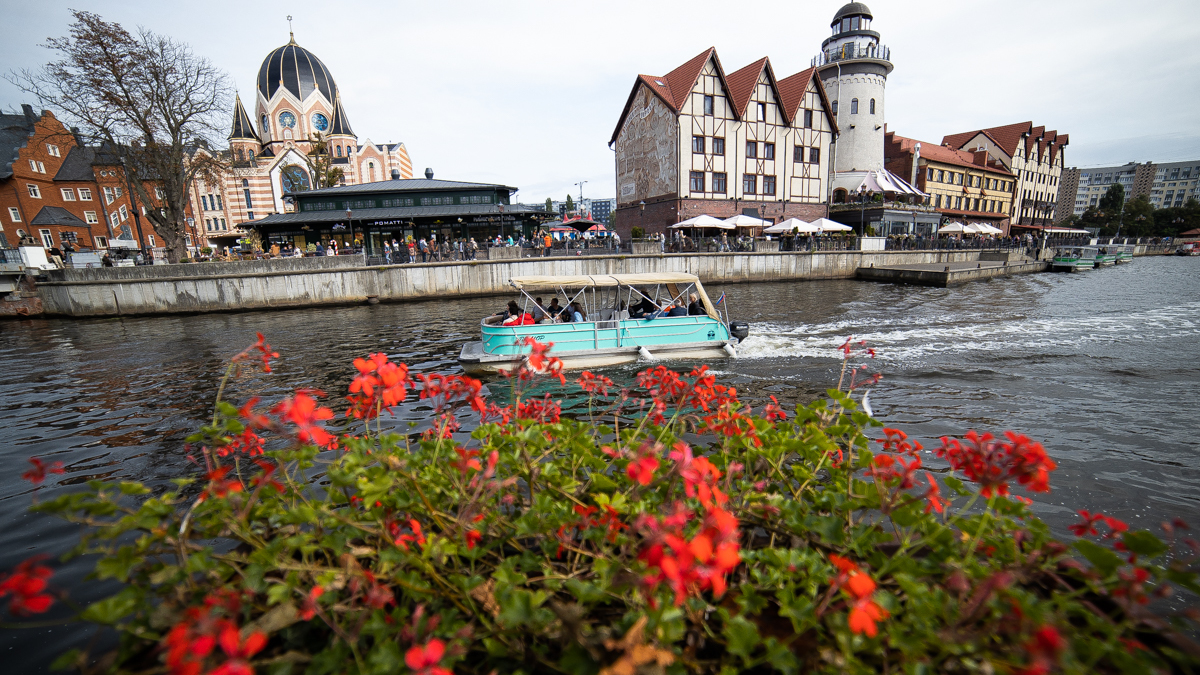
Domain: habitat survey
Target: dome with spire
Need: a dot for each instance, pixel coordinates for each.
(852, 9)
(297, 70)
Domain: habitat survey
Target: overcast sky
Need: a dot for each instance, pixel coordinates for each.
(528, 93)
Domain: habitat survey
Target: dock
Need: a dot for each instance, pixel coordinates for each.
(949, 273)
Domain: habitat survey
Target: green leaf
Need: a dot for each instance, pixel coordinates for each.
(603, 483)
(741, 637)
(111, 610)
(68, 660)
(129, 488)
(1105, 560)
(576, 659)
(384, 658)
(1144, 543)
(1184, 579)
(956, 485)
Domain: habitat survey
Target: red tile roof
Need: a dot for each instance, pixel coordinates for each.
(1006, 137)
(683, 79)
(674, 87)
(895, 145)
(792, 90)
(741, 84)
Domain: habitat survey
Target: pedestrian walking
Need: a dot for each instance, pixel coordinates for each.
(424, 246)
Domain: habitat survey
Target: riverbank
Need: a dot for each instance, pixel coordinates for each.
(347, 280)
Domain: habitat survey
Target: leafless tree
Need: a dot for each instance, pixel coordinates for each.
(320, 163)
(147, 99)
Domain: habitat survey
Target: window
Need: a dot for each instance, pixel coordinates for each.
(160, 195)
(835, 106)
(250, 215)
(718, 183)
(223, 227)
(112, 218)
(958, 202)
(119, 192)
(100, 242)
(90, 217)
(246, 194)
(68, 194)
(751, 150)
(768, 187)
(697, 181)
(14, 214)
(150, 238)
(853, 106)
(204, 202)
(698, 145)
(708, 105)
(719, 147)
(41, 168)
(768, 151)
(124, 213)
(47, 238)
(807, 119)
(798, 154)
(814, 155)
(34, 191)
(108, 195)
(872, 106)
(958, 177)
(52, 150)
(762, 112)
(33, 166)
(854, 23)
(750, 184)
(208, 224)
(85, 194)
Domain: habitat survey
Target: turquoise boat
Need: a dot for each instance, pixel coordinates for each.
(609, 335)
(1073, 259)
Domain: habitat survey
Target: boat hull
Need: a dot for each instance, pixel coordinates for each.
(475, 361)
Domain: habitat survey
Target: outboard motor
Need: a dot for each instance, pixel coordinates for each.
(739, 330)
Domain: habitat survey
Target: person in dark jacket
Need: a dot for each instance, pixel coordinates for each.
(694, 308)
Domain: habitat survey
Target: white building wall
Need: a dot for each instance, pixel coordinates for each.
(860, 143)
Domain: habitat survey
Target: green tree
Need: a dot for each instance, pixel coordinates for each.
(549, 205)
(1138, 218)
(1113, 199)
(570, 204)
(320, 163)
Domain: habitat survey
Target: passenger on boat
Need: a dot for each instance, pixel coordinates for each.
(694, 308)
(578, 313)
(512, 310)
(539, 312)
(554, 310)
(643, 308)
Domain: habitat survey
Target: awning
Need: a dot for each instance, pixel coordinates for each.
(827, 225)
(578, 281)
(882, 181)
(747, 221)
(791, 225)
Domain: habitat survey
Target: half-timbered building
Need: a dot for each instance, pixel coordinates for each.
(700, 141)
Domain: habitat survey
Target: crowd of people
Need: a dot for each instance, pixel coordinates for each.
(575, 312)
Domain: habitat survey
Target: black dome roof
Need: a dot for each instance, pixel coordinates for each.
(297, 70)
(852, 9)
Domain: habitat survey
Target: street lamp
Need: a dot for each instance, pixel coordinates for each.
(862, 211)
(350, 222)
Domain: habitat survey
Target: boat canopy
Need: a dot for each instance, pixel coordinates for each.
(590, 280)
(529, 283)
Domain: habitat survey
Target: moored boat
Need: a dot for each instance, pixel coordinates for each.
(1073, 260)
(1103, 255)
(626, 318)
(1124, 253)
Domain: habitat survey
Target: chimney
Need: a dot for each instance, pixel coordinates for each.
(395, 174)
(429, 174)
(78, 136)
(30, 117)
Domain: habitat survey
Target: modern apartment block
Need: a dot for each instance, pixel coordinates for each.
(1174, 183)
(1165, 185)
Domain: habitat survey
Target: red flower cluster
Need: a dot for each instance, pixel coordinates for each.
(427, 659)
(302, 410)
(444, 389)
(541, 410)
(596, 385)
(773, 412)
(402, 540)
(699, 476)
(690, 567)
(1088, 525)
(641, 469)
(193, 640)
(861, 588)
(380, 385)
(38, 473)
(309, 607)
(538, 363)
(219, 485)
(896, 441)
(264, 353)
(247, 443)
(1044, 648)
(27, 586)
(993, 463)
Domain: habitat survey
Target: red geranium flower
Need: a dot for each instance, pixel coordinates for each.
(38, 473)
(426, 660)
(26, 585)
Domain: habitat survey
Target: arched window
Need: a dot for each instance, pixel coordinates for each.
(853, 106)
(839, 196)
(872, 106)
(339, 151)
(245, 183)
(371, 171)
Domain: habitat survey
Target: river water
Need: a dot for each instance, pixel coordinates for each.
(1103, 367)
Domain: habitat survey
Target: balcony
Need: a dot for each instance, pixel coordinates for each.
(853, 52)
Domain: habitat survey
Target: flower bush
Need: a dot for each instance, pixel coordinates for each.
(672, 530)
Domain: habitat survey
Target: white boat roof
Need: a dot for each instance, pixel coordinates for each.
(603, 280)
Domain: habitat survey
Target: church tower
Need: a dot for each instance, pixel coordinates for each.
(854, 66)
(243, 142)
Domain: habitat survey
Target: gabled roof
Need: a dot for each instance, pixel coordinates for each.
(743, 81)
(792, 90)
(1006, 137)
(55, 215)
(895, 143)
(674, 87)
(77, 165)
(340, 124)
(242, 126)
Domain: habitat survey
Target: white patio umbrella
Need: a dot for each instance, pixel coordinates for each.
(790, 225)
(703, 221)
(746, 221)
(952, 228)
(827, 225)
(974, 228)
(988, 228)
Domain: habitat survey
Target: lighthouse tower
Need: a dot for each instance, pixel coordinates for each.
(854, 66)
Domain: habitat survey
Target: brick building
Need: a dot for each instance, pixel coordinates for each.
(697, 141)
(963, 186)
(56, 189)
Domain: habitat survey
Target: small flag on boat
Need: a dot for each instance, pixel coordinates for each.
(721, 299)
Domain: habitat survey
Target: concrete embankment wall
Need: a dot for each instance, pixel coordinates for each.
(282, 283)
